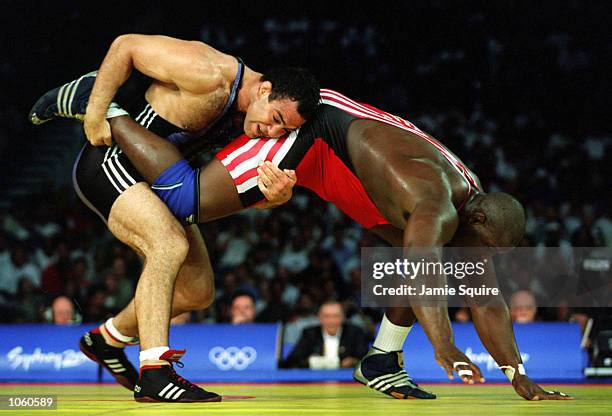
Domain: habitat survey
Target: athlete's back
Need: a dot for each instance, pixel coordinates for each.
(320, 154)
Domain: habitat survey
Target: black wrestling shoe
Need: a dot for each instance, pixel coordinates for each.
(384, 372)
(70, 100)
(94, 346)
(160, 383)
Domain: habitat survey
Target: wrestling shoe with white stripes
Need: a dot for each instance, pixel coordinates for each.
(69, 101)
(94, 346)
(160, 383)
(384, 372)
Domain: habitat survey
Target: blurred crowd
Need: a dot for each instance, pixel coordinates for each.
(521, 101)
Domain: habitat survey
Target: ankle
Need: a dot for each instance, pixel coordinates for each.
(108, 338)
(391, 337)
(114, 336)
(152, 363)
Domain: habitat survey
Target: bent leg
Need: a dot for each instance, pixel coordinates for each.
(195, 284)
(194, 287)
(139, 219)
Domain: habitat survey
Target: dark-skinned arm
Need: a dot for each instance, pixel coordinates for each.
(494, 326)
(431, 225)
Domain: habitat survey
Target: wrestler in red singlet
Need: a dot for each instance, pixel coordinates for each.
(318, 151)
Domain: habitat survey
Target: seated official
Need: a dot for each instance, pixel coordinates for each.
(333, 344)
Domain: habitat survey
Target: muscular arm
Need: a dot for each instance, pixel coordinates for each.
(185, 64)
(494, 326)
(417, 188)
(492, 319)
(431, 225)
(420, 192)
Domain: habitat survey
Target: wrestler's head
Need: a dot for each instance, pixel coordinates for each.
(491, 220)
(285, 99)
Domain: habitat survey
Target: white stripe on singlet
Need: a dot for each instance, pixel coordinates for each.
(128, 177)
(151, 120)
(253, 161)
(139, 116)
(67, 94)
(246, 185)
(242, 149)
(112, 167)
(143, 121)
(344, 103)
(80, 193)
(111, 178)
(285, 147)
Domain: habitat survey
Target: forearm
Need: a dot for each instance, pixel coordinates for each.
(492, 318)
(435, 323)
(427, 231)
(114, 71)
(494, 328)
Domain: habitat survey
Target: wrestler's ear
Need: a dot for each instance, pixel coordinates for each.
(265, 88)
(477, 217)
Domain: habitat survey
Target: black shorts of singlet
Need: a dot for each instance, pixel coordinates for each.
(101, 174)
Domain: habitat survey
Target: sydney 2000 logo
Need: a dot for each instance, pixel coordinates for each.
(18, 358)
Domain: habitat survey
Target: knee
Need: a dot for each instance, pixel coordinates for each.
(170, 246)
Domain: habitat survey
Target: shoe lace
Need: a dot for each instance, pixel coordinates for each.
(184, 382)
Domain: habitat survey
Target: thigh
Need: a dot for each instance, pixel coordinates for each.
(101, 175)
(141, 220)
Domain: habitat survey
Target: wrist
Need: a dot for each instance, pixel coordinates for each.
(95, 112)
(443, 346)
(513, 372)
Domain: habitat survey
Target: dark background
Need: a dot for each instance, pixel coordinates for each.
(520, 90)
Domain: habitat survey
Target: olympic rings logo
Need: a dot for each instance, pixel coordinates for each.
(232, 358)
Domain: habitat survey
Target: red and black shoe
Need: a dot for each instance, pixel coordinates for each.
(94, 346)
(160, 383)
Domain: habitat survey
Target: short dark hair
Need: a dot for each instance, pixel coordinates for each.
(505, 217)
(295, 84)
(241, 292)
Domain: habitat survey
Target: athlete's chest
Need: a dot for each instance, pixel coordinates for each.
(191, 112)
